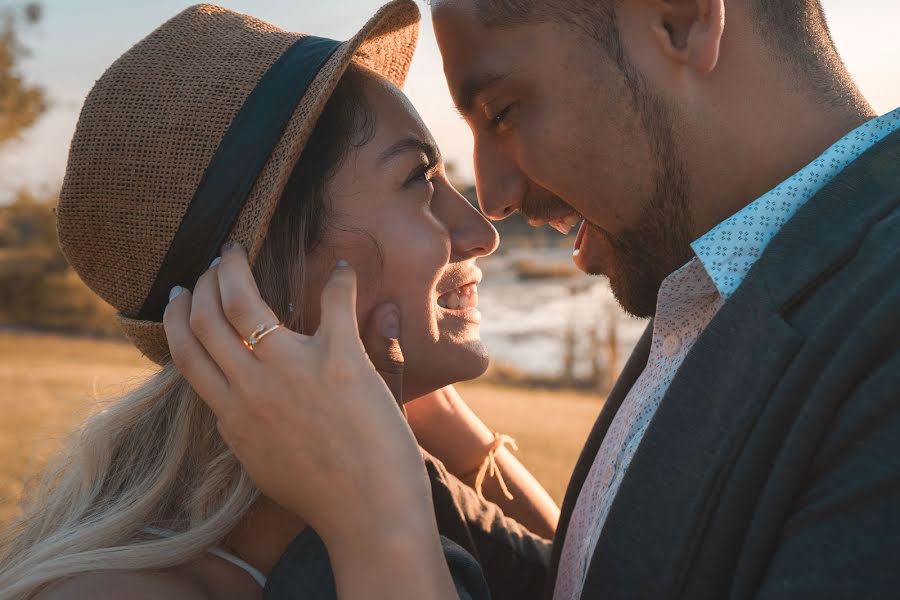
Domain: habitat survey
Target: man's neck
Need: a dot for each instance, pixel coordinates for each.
(781, 139)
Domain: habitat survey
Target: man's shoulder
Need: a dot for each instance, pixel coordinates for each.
(876, 260)
(869, 272)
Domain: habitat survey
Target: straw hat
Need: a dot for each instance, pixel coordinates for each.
(188, 140)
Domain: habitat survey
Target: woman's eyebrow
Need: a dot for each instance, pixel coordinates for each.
(410, 144)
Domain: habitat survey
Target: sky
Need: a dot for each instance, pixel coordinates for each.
(78, 39)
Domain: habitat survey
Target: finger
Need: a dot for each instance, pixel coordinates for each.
(338, 315)
(189, 355)
(243, 306)
(381, 339)
(214, 330)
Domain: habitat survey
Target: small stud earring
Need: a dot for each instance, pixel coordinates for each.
(291, 307)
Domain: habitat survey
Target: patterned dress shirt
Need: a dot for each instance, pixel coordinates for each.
(688, 300)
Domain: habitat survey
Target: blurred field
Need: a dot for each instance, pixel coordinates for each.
(49, 382)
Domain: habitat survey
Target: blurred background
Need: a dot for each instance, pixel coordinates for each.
(60, 350)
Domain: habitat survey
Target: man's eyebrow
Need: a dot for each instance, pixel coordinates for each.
(471, 87)
(411, 144)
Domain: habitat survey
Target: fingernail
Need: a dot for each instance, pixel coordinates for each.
(341, 264)
(390, 324)
(173, 293)
(215, 261)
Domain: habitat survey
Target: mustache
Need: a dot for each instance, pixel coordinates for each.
(544, 208)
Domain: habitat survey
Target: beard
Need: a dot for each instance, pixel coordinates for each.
(640, 258)
(637, 260)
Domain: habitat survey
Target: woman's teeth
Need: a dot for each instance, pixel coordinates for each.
(460, 299)
(565, 224)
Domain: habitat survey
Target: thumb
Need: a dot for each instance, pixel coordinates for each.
(381, 339)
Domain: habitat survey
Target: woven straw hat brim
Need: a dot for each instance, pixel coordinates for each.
(117, 216)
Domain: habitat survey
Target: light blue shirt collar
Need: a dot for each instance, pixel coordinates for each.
(731, 248)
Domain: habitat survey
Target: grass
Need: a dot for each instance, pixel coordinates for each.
(49, 383)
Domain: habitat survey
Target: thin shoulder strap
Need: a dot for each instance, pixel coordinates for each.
(255, 573)
(240, 563)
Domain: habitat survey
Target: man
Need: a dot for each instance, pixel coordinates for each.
(735, 186)
(689, 135)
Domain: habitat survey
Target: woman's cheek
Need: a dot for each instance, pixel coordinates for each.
(415, 258)
(362, 254)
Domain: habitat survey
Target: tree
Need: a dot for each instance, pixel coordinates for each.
(38, 289)
(20, 102)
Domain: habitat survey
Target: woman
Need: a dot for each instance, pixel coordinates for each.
(303, 151)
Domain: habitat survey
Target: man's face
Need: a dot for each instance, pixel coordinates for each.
(560, 134)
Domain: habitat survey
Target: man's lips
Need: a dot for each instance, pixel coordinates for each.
(562, 224)
(579, 237)
(560, 216)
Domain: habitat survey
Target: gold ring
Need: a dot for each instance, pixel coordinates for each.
(261, 331)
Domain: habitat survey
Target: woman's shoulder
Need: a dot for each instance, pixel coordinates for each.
(102, 585)
(206, 578)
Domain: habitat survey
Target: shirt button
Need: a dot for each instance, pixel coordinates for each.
(671, 345)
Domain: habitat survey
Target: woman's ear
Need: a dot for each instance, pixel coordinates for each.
(690, 31)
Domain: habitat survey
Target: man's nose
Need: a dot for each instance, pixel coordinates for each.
(500, 184)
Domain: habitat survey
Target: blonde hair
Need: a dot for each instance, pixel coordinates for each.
(151, 458)
(154, 457)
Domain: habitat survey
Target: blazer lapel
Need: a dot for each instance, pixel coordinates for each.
(658, 517)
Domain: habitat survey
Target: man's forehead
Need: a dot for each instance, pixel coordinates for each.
(460, 12)
(471, 60)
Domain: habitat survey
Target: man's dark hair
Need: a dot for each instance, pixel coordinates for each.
(794, 31)
(595, 18)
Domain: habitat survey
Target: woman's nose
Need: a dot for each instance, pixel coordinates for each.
(471, 235)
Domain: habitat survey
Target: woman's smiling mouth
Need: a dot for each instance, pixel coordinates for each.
(458, 293)
(460, 299)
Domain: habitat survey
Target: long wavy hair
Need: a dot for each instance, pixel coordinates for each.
(154, 457)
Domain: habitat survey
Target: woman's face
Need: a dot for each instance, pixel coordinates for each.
(412, 239)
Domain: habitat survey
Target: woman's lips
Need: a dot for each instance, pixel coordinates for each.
(461, 299)
(461, 304)
(461, 296)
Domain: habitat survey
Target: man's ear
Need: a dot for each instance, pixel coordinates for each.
(690, 31)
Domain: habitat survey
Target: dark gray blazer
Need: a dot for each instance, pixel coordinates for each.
(772, 466)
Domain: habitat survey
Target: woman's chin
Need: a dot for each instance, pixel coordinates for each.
(476, 362)
(461, 360)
